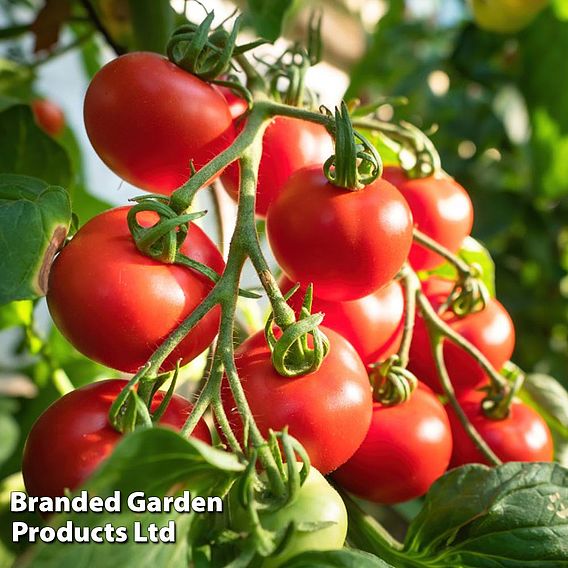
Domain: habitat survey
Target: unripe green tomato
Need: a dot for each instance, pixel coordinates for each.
(317, 501)
(505, 16)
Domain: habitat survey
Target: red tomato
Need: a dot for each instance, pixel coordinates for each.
(117, 305)
(328, 411)
(73, 436)
(289, 144)
(522, 436)
(347, 243)
(407, 448)
(48, 116)
(441, 208)
(373, 324)
(491, 331)
(147, 119)
(237, 105)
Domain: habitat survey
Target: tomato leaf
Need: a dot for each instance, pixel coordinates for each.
(515, 514)
(267, 16)
(152, 461)
(560, 9)
(336, 559)
(26, 149)
(34, 221)
(550, 399)
(473, 252)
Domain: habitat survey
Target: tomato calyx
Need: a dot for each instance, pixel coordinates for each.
(257, 497)
(205, 52)
(356, 163)
(292, 356)
(392, 382)
(131, 408)
(496, 405)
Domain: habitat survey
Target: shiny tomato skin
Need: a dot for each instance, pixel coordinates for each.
(521, 437)
(348, 244)
(147, 119)
(441, 208)
(491, 331)
(117, 305)
(328, 411)
(237, 105)
(73, 436)
(408, 446)
(289, 144)
(372, 324)
(48, 116)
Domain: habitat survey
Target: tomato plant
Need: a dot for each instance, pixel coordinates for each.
(441, 208)
(490, 330)
(323, 241)
(73, 436)
(98, 308)
(328, 410)
(317, 502)
(373, 324)
(522, 437)
(131, 123)
(340, 379)
(289, 145)
(48, 116)
(407, 448)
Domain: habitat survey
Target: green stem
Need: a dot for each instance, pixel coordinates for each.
(434, 321)
(411, 285)
(366, 533)
(436, 335)
(182, 197)
(461, 266)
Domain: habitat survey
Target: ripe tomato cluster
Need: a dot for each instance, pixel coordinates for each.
(117, 305)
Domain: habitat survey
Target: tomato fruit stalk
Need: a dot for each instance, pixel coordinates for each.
(289, 144)
(490, 330)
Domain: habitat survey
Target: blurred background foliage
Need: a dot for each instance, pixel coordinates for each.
(496, 106)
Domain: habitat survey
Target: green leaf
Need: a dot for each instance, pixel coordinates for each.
(336, 559)
(152, 461)
(560, 9)
(34, 221)
(550, 399)
(153, 22)
(26, 149)
(16, 314)
(267, 16)
(473, 252)
(544, 91)
(9, 434)
(509, 516)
